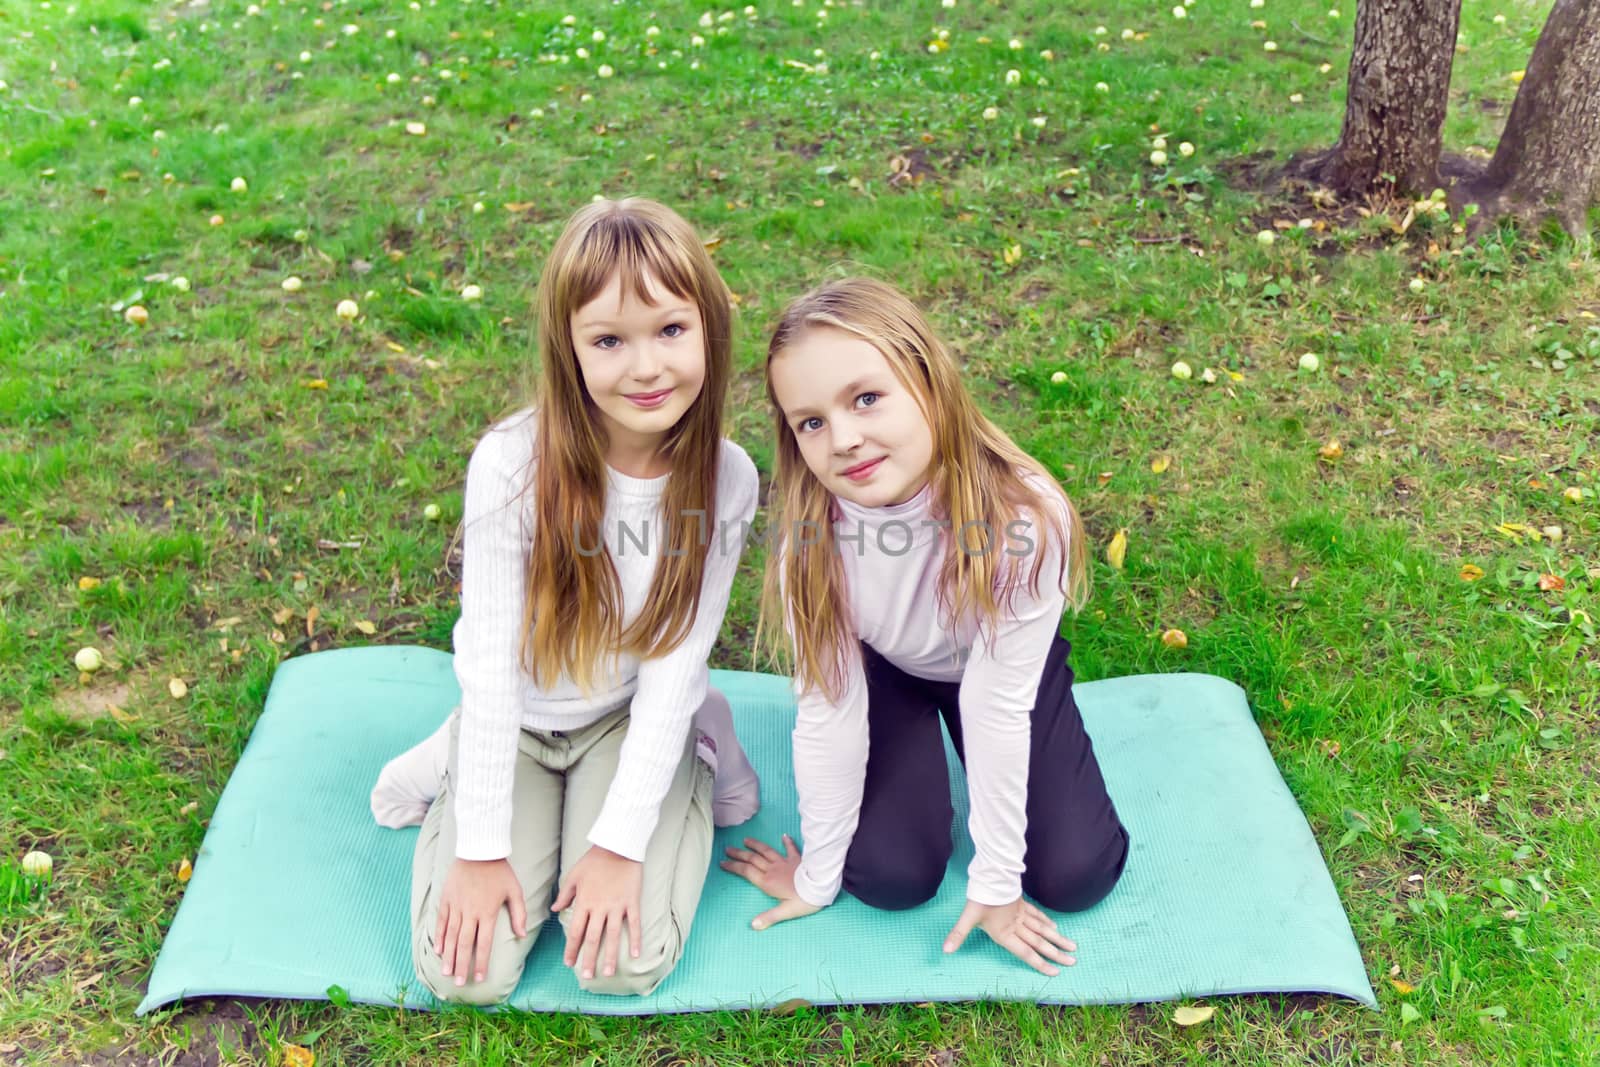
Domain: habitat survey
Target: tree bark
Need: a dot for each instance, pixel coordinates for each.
(1396, 99)
(1548, 159)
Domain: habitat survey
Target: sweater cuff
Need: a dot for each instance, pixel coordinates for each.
(817, 894)
(623, 830)
(482, 839)
(992, 891)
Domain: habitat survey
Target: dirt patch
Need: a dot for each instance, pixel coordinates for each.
(108, 699)
(1034, 292)
(1256, 172)
(398, 239)
(807, 150)
(217, 1032)
(198, 462)
(151, 512)
(911, 167)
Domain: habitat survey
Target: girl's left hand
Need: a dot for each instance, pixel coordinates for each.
(1019, 928)
(602, 889)
(773, 874)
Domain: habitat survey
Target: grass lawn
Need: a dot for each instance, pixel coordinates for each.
(1370, 548)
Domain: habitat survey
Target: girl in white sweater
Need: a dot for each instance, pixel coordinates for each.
(921, 568)
(596, 571)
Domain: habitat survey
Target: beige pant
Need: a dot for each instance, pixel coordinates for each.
(560, 785)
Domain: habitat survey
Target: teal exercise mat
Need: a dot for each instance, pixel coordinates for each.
(296, 889)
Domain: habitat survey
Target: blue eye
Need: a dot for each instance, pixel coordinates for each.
(674, 330)
(866, 400)
(805, 424)
(608, 341)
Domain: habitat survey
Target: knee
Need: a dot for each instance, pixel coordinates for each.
(503, 974)
(1077, 882)
(494, 989)
(634, 977)
(898, 884)
(716, 704)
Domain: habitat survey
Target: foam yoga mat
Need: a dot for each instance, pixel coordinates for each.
(296, 889)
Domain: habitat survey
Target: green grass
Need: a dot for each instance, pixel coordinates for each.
(1440, 734)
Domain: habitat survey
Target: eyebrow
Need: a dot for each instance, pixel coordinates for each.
(665, 313)
(856, 386)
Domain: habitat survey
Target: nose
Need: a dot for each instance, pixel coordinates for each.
(846, 437)
(646, 363)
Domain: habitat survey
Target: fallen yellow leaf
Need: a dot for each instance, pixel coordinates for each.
(1331, 451)
(298, 1056)
(311, 619)
(316, 383)
(1160, 464)
(1193, 1014)
(1175, 639)
(121, 716)
(185, 870)
(87, 583)
(790, 1007)
(1552, 583)
(178, 688)
(282, 615)
(1471, 572)
(1117, 550)
(1402, 986)
(1012, 254)
(365, 627)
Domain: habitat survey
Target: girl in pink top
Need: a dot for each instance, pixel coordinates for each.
(922, 565)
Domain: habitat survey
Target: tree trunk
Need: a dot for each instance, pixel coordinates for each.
(1548, 159)
(1396, 99)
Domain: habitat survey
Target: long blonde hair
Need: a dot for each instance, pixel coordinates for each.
(573, 611)
(977, 473)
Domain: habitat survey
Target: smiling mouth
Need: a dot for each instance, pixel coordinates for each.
(861, 470)
(648, 399)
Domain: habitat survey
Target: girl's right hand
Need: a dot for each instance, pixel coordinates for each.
(773, 874)
(474, 892)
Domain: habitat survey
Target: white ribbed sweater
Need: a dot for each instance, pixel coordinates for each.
(499, 698)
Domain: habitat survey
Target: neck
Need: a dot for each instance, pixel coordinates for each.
(912, 492)
(638, 457)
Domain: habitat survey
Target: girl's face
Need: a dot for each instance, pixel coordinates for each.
(643, 363)
(860, 431)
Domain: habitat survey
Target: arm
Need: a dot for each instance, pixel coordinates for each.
(830, 772)
(488, 662)
(998, 691)
(672, 687)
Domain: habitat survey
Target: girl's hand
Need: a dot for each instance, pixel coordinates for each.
(602, 889)
(773, 874)
(1019, 928)
(474, 892)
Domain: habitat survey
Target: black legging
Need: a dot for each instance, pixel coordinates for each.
(1075, 844)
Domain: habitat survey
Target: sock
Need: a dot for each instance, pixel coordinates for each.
(409, 782)
(736, 795)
